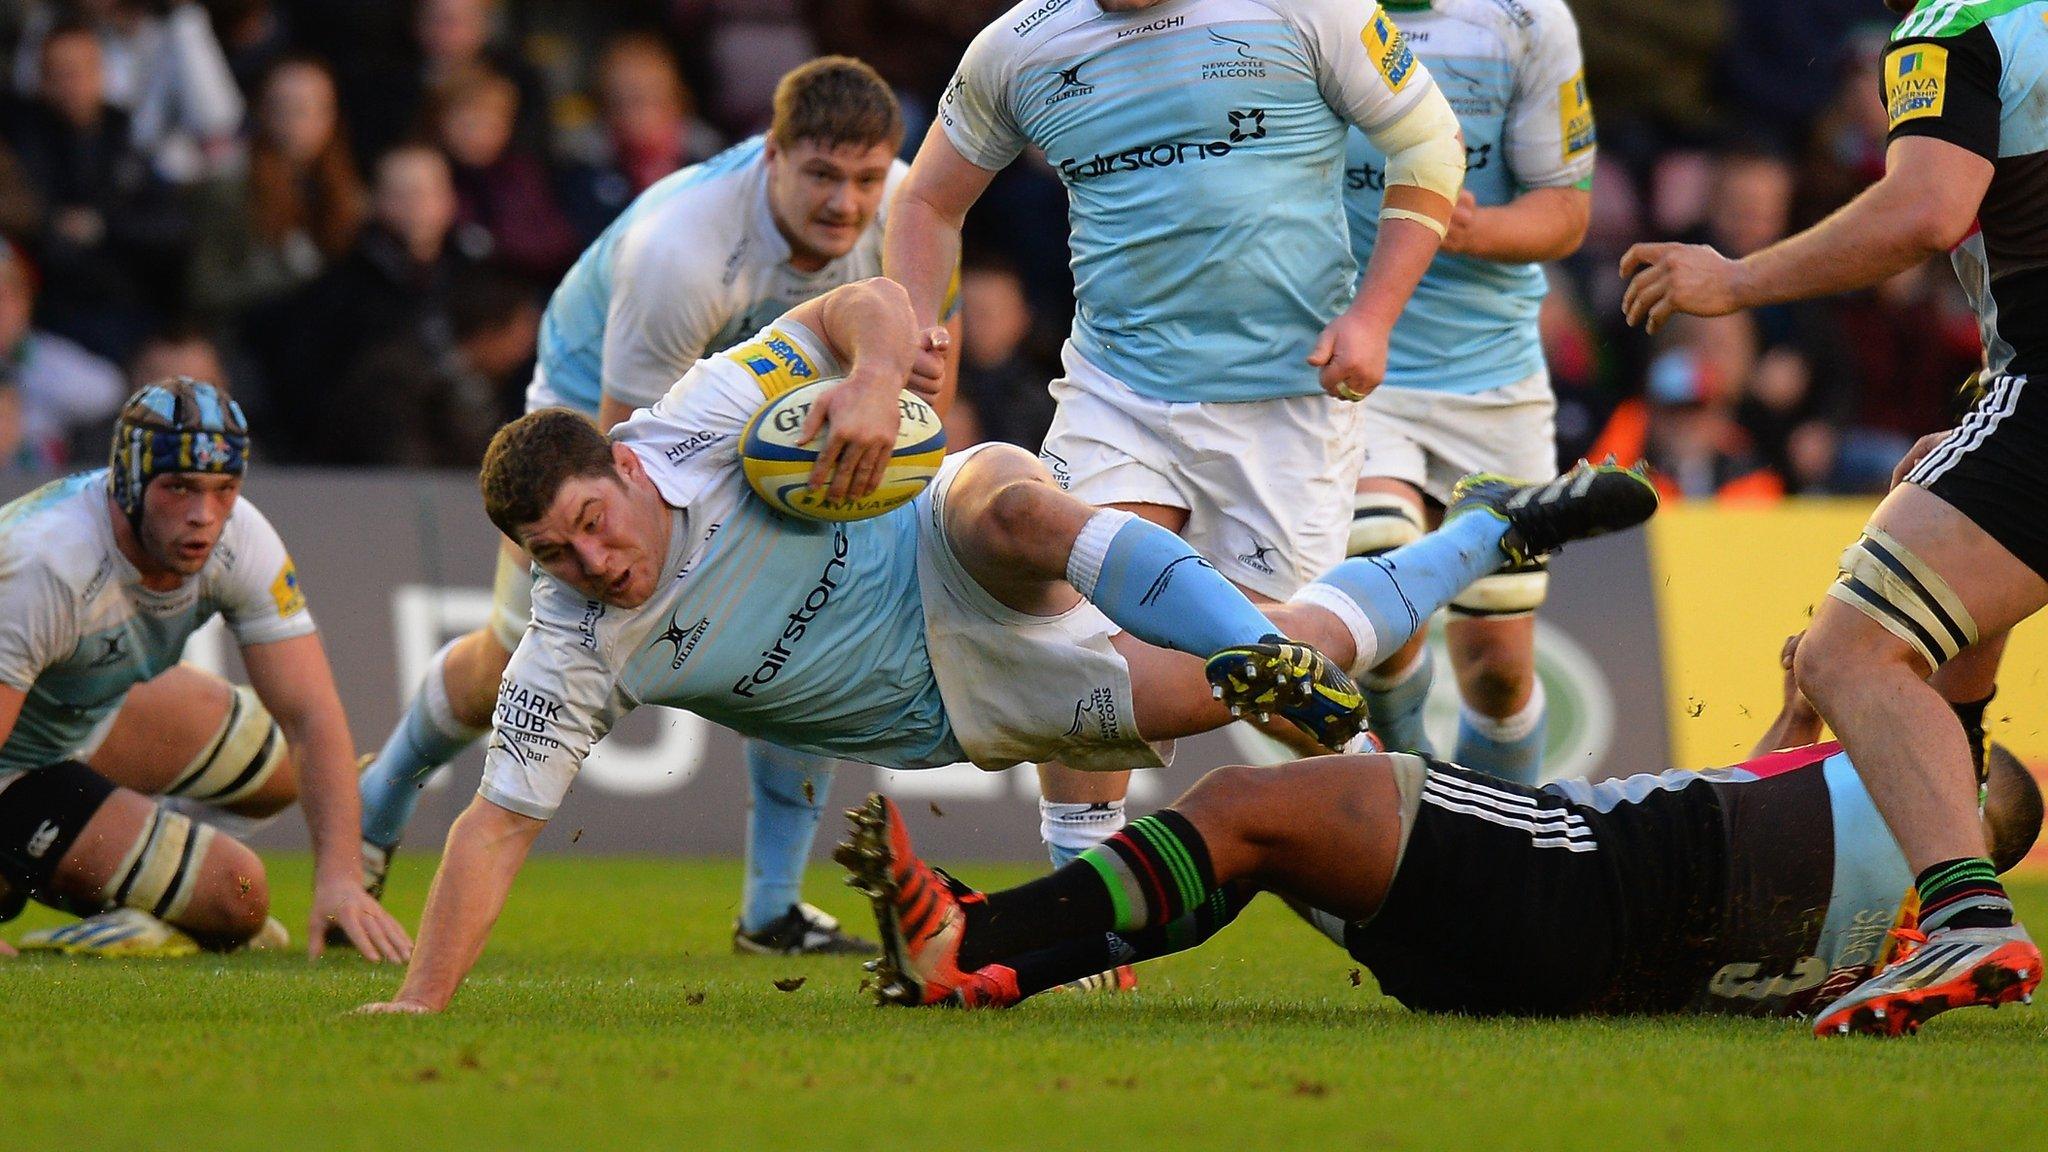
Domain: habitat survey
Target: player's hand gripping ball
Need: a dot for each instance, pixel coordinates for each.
(780, 469)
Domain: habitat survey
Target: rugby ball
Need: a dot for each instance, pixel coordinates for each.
(780, 469)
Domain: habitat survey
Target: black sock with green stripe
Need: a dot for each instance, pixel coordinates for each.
(1150, 874)
(1963, 893)
(1072, 960)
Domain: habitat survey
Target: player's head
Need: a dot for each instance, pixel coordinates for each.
(2012, 807)
(580, 505)
(180, 448)
(836, 128)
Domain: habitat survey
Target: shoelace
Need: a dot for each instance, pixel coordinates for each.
(1909, 940)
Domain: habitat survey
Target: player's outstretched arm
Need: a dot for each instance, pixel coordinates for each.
(921, 245)
(486, 848)
(870, 328)
(296, 685)
(1925, 205)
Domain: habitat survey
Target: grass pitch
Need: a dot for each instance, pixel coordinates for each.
(609, 1013)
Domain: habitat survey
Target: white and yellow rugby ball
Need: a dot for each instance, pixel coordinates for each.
(780, 469)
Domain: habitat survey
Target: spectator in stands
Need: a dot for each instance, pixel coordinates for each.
(396, 282)
(648, 128)
(254, 36)
(66, 396)
(21, 206)
(163, 67)
(178, 351)
(1779, 70)
(1695, 444)
(429, 400)
(1846, 146)
(506, 206)
(295, 212)
(115, 233)
(1911, 343)
(19, 455)
(385, 94)
(1002, 393)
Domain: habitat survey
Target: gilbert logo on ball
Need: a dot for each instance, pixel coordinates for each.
(780, 469)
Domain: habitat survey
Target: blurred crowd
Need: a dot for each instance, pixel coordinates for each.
(353, 211)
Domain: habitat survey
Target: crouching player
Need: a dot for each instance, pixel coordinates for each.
(1767, 888)
(123, 772)
(994, 619)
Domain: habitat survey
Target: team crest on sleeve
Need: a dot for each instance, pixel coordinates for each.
(1575, 116)
(1389, 49)
(1915, 82)
(776, 363)
(284, 591)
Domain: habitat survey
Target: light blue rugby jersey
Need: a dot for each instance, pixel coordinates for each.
(808, 635)
(693, 265)
(1201, 143)
(1513, 73)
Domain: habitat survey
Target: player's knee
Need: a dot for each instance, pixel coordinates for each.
(1495, 685)
(246, 768)
(1020, 515)
(235, 899)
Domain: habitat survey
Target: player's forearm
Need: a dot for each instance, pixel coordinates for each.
(871, 322)
(1539, 225)
(920, 250)
(1883, 232)
(328, 791)
(1399, 258)
(486, 848)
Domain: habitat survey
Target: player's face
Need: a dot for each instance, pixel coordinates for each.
(825, 197)
(601, 538)
(183, 515)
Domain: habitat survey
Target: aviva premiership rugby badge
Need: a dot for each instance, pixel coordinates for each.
(1915, 82)
(1389, 48)
(1575, 116)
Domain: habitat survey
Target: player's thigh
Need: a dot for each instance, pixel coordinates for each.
(165, 723)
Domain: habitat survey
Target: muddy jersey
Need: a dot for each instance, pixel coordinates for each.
(1201, 143)
(1975, 74)
(1513, 73)
(692, 266)
(78, 629)
(808, 635)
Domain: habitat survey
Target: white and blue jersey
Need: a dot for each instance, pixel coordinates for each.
(1513, 73)
(808, 635)
(1201, 143)
(78, 628)
(693, 265)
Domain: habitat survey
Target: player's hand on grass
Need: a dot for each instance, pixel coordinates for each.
(340, 902)
(395, 1008)
(859, 419)
(1912, 459)
(1352, 353)
(7, 949)
(928, 372)
(1668, 278)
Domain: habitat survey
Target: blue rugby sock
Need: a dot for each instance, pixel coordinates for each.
(427, 736)
(789, 798)
(1155, 587)
(1511, 749)
(1396, 706)
(1386, 599)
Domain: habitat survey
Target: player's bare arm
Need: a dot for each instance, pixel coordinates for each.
(1539, 225)
(486, 848)
(1796, 723)
(293, 680)
(1925, 205)
(921, 246)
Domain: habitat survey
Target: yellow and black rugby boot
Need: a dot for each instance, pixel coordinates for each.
(1590, 500)
(1294, 680)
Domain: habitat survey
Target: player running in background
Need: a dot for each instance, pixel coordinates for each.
(1466, 387)
(125, 775)
(1762, 889)
(1200, 144)
(993, 619)
(699, 261)
(1958, 552)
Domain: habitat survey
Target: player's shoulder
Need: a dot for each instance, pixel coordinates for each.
(1523, 26)
(1954, 19)
(49, 536)
(1028, 28)
(701, 208)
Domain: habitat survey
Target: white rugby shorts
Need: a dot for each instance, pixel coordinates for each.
(1432, 439)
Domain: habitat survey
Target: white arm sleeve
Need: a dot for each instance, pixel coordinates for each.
(555, 702)
(666, 305)
(256, 586)
(1549, 130)
(975, 109)
(38, 620)
(1364, 66)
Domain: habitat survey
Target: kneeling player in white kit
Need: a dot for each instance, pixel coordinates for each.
(119, 764)
(1200, 144)
(993, 619)
(1466, 387)
(700, 261)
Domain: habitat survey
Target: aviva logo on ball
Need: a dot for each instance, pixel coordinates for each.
(780, 469)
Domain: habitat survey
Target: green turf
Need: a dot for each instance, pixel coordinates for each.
(610, 1014)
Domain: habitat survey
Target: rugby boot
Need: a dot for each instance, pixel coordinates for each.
(128, 933)
(1294, 680)
(1590, 500)
(804, 930)
(916, 910)
(1951, 968)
